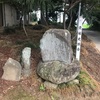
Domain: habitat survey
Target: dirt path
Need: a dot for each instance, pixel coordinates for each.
(90, 57)
(94, 36)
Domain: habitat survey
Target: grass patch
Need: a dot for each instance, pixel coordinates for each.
(42, 88)
(67, 85)
(32, 45)
(19, 42)
(27, 44)
(85, 79)
(18, 94)
(9, 30)
(86, 26)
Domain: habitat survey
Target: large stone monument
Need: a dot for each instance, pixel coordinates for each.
(57, 65)
(56, 45)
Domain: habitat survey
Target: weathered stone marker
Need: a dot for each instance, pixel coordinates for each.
(57, 65)
(26, 61)
(12, 70)
(56, 45)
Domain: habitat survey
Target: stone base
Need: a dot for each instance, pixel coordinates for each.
(58, 72)
(26, 72)
(50, 85)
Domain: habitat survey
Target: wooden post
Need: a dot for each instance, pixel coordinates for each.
(79, 34)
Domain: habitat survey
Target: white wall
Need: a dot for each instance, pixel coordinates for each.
(10, 15)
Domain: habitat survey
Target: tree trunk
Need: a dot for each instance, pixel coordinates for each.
(64, 22)
(24, 27)
(70, 22)
(43, 20)
(28, 18)
(74, 19)
(20, 23)
(24, 19)
(46, 11)
(71, 18)
(25, 14)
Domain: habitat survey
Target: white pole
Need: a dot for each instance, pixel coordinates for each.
(79, 34)
(78, 16)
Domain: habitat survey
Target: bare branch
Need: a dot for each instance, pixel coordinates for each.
(73, 5)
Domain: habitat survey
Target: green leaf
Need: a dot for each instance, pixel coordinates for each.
(52, 98)
(42, 88)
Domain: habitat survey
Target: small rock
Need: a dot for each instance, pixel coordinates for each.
(1, 96)
(40, 79)
(12, 70)
(75, 81)
(50, 85)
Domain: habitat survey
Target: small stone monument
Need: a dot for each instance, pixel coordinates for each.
(26, 61)
(12, 70)
(57, 65)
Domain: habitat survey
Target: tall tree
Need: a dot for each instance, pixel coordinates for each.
(23, 6)
(72, 12)
(91, 11)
